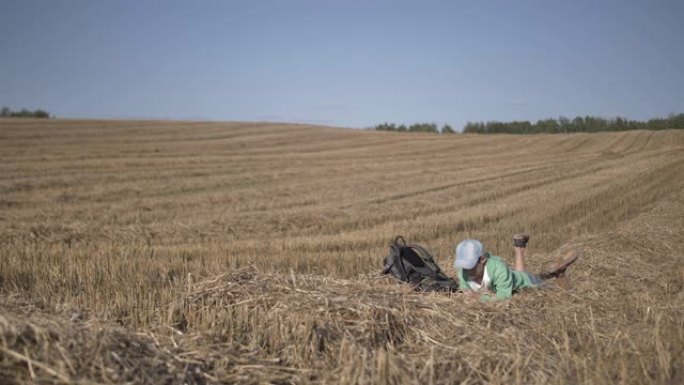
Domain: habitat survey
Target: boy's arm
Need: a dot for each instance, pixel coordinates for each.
(462, 284)
(502, 280)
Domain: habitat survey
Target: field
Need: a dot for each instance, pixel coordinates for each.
(183, 252)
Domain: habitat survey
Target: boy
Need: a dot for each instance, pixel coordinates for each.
(478, 270)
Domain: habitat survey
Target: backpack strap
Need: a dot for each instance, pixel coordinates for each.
(396, 240)
(391, 259)
(427, 255)
(394, 255)
(397, 248)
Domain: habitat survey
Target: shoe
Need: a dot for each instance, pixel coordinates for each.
(563, 282)
(520, 240)
(557, 269)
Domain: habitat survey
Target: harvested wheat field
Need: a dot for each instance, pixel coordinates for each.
(200, 253)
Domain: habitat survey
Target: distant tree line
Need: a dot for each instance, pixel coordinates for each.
(6, 112)
(579, 124)
(418, 127)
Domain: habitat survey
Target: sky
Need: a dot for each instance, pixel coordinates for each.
(343, 63)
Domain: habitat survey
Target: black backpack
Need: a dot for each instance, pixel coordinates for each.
(415, 265)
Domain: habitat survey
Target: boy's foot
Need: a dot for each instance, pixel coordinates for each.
(557, 269)
(563, 282)
(520, 240)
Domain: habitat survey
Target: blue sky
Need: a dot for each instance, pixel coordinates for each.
(343, 63)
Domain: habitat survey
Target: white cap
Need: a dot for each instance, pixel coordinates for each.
(467, 254)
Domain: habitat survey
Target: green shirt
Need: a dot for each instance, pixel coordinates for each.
(504, 281)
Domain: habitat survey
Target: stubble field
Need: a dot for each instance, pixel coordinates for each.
(181, 252)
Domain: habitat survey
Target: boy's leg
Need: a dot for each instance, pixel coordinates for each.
(520, 244)
(557, 269)
(563, 282)
(519, 264)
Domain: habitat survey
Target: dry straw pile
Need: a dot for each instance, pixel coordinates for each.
(146, 252)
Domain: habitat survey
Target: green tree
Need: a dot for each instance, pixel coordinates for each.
(675, 121)
(423, 127)
(6, 112)
(475, 128)
(446, 129)
(550, 126)
(40, 114)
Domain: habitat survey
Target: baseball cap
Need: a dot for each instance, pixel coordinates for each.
(467, 253)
